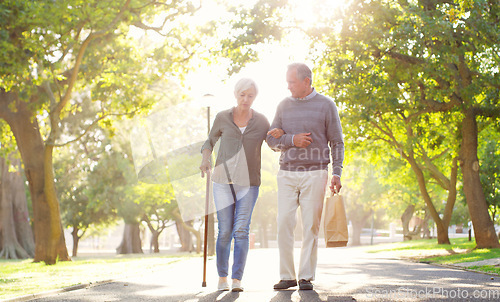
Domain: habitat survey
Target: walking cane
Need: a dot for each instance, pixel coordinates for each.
(207, 197)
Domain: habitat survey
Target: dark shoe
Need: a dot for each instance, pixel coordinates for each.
(305, 284)
(284, 284)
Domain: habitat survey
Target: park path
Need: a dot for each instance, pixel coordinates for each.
(344, 274)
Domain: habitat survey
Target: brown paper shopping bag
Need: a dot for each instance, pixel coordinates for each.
(335, 222)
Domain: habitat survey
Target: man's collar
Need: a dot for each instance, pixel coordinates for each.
(307, 97)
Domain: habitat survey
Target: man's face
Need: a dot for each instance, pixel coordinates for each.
(298, 88)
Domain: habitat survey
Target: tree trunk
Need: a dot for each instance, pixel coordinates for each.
(197, 235)
(50, 245)
(12, 193)
(190, 228)
(131, 242)
(155, 234)
(11, 249)
(76, 240)
(155, 242)
(452, 194)
(442, 230)
(17, 219)
(24, 232)
(484, 229)
(357, 228)
(264, 241)
(426, 233)
(405, 220)
(184, 237)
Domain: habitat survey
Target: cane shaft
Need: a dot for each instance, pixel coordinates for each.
(205, 241)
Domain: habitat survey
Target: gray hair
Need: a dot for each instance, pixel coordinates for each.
(303, 71)
(244, 84)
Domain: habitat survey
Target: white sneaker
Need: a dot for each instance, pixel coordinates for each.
(237, 286)
(224, 286)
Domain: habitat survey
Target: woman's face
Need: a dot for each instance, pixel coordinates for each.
(245, 98)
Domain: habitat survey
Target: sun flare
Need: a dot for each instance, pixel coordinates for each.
(269, 72)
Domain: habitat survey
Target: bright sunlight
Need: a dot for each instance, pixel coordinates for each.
(269, 71)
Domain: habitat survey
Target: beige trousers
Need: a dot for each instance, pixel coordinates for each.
(307, 190)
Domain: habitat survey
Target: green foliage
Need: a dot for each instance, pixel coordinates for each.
(364, 189)
(104, 43)
(74, 169)
(81, 65)
(78, 167)
(97, 183)
(402, 72)
(396, 176)
(398, 57)
(7, 140)
(156, 201)
(489, 153)
(112, 183)
(460, 214)
(250, 26)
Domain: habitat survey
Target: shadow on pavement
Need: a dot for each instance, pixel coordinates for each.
(229, 297)
(307, 296)
(283, 295)
(128, 291)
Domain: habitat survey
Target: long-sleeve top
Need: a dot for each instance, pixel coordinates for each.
(315, 114)
(240, 151)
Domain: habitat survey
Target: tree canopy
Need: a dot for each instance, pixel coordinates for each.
(54, 49)
(420, 74)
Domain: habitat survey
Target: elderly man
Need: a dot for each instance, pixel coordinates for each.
(312, 131)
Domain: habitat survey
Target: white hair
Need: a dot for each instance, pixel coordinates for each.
(245, 84)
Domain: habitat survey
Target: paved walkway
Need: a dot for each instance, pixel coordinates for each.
(344, 274)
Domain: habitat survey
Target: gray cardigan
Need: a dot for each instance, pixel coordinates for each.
(240, 151)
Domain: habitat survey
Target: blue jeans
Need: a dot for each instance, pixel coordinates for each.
(234, 222)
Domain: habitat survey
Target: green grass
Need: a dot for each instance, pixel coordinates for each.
(427, 250)
(425, 245)
(23, 277)
(487, 269)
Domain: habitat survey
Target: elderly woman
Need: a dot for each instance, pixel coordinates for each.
(236, 177)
